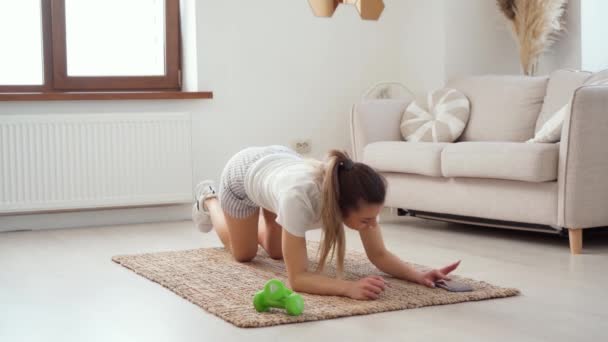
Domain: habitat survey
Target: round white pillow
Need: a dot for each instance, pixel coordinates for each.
(443, 119)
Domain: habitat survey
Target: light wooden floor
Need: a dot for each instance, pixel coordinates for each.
(60, 285)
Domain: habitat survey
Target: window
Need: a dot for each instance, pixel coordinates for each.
(89, 45)
(22, 61)
(22, 30)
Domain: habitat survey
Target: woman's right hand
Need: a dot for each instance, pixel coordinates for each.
(368, 288)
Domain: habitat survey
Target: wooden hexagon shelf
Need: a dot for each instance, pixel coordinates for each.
(368, 9)
(323, 8)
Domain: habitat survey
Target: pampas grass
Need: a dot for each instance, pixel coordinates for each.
(507, 7)
(535, 25)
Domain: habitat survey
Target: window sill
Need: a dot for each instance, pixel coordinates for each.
(93, 96)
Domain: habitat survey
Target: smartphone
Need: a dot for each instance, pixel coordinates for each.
(453, 286)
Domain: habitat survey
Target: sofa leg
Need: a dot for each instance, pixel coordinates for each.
(576, 240)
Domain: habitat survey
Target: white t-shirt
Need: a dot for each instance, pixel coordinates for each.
(285, 184)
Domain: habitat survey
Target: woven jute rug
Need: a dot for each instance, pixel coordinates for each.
(211, 279)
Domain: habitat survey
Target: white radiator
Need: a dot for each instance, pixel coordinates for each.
(64, 162)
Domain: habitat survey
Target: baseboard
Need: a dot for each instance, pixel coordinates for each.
(91, 218)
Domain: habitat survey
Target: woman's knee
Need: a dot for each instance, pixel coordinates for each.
(243, 237)
(275, 253)
(244, 256)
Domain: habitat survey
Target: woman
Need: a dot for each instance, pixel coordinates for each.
(271, 196)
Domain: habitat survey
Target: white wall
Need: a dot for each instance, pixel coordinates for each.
(445, 39)
(422, 42)
(478, 40)
(278, 74)
(594, 35)
(566, 52)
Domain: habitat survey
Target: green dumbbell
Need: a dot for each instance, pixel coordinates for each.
(276, 295)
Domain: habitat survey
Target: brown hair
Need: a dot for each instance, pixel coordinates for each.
(346, 185)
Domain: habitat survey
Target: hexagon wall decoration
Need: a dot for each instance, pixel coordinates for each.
(323, 8)
(368, 9)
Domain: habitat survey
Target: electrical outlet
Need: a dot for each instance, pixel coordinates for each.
(302, 146)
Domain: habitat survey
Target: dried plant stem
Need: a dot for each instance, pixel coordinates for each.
(535, 25)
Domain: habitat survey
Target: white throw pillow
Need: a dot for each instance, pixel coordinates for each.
(551, 131)
(443, 120)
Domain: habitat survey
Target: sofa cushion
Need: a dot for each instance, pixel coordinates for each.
(422, 158)
(496, 199)
(441, 119)
(501, 160)
(560, 89)
(503, 108)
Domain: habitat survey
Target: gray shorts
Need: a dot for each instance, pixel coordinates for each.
(233, 198)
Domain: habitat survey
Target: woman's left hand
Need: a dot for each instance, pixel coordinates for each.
(430, 277)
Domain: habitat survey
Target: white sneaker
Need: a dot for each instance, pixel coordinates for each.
(200, 214)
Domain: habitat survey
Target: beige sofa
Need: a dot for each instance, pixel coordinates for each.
(490, 176)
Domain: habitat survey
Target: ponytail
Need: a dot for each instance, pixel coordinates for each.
(345, 184)
(333, 229)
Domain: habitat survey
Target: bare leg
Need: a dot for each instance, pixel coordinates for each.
(218, 221)
(270, 234)
(239, 236)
